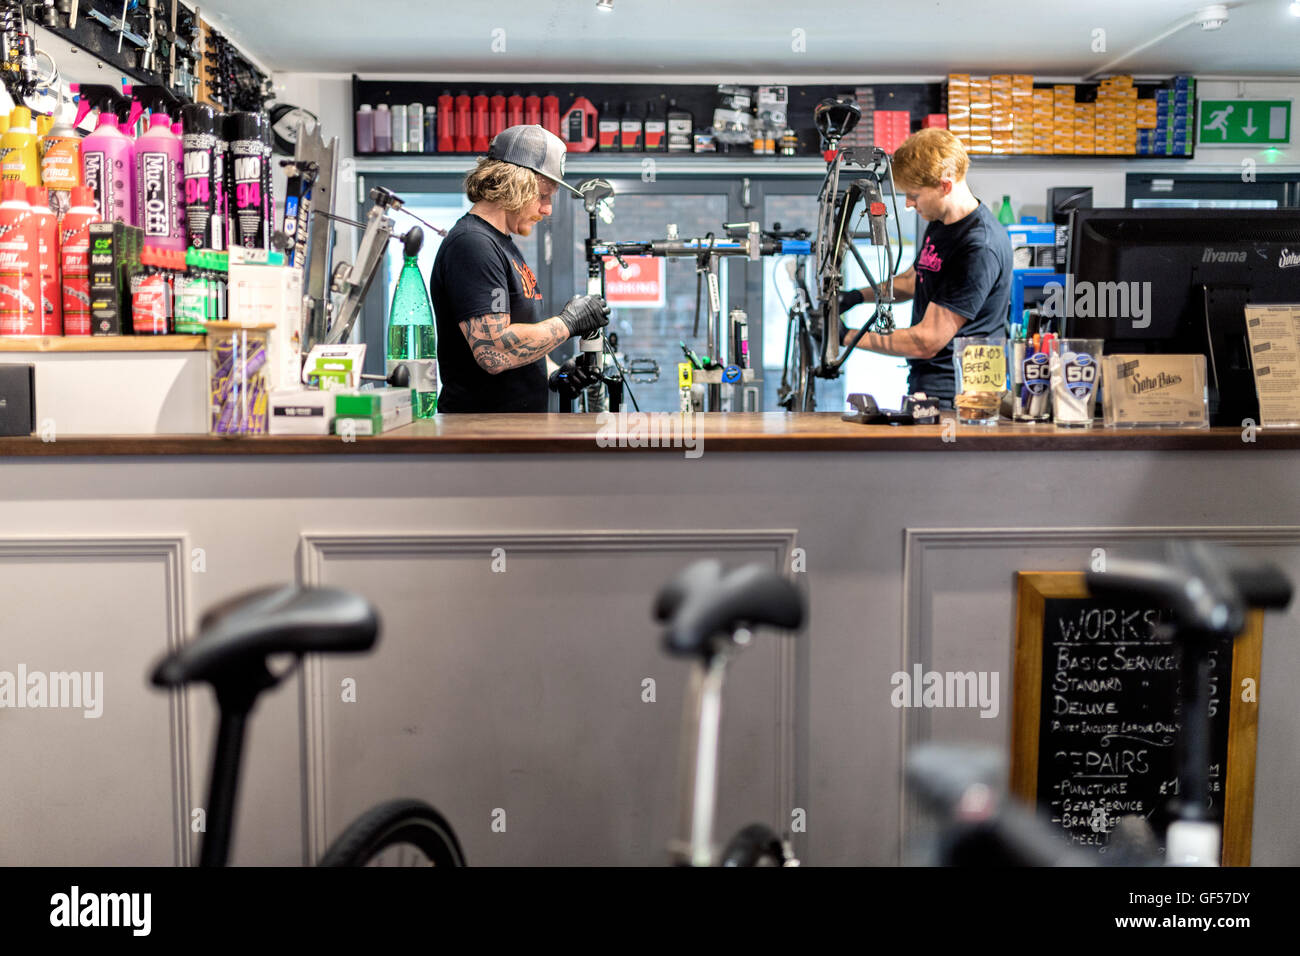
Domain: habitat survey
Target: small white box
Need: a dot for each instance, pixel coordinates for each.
(306, 411)
(264, 293)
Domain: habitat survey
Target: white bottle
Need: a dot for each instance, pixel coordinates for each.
(399, 128)
(415, 128)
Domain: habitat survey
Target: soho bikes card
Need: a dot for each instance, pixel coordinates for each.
(1165, 390)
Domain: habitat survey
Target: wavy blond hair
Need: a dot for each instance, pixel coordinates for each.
(924, 158)
(509, 186)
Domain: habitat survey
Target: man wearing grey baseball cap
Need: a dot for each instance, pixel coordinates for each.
(493, 337)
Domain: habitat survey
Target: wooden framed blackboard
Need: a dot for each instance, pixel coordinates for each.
(1095, 714)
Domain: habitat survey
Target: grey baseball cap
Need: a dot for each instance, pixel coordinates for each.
(535, 148)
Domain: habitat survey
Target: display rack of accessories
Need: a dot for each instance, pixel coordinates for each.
(635, 117)
(154, 42)
(1009, 115)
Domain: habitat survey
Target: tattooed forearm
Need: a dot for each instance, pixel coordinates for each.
(497, 345)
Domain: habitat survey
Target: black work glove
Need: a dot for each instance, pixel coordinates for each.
(584, 314)
(573, 377)
(851, 298)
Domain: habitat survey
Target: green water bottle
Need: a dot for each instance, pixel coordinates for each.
(412, 335)
(1005, 215)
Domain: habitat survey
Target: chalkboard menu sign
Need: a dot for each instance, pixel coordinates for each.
(1097, 715)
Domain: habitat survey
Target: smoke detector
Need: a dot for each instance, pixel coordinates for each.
(1213, 16)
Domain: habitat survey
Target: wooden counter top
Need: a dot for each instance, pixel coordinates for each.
(103, 343)
(765, 432)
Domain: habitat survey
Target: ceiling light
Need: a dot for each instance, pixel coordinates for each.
(605, 6)
(1213, 16)
(1295, 8)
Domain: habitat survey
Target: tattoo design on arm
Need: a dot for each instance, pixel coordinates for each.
(497, 345)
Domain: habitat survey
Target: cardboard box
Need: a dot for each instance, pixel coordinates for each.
(374, 401)
(300, 411)
(258, 294)
(114, 261)
(374, 424)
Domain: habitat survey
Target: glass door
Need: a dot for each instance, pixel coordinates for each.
(653, 302)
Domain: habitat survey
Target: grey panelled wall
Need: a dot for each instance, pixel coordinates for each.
(521, 690)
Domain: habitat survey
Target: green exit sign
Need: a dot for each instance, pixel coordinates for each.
(1244, 123)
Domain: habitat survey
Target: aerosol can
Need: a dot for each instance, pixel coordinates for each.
(204, 219)
(247, 170)
(19, 242)
(49, 299)
(19, 161)
(74, 252)
(61, 165)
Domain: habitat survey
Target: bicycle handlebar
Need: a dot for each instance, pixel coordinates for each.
(1207, 587)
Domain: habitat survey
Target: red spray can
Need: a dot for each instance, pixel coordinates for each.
(446, 124)
(74, 236)
(551, 113)
(480, 144)
(533, 110)
(50, 314)
(515, 110)
(19, 244)
(463, 142)
(497, 115)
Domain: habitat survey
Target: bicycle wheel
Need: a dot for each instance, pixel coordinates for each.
(806, 397)
(396, 833)
(755, 845)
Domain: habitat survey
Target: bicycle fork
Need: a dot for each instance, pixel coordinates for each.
(698, 763)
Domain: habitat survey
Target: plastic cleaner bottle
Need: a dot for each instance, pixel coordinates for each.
(19, 161)
(412, 336)
(159, 176)
(108, 161)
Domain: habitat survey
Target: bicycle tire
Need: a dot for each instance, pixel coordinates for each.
(755, 845)
(388, 824)
(806, 400)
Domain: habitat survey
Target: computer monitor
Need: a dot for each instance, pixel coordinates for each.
(1177, 281)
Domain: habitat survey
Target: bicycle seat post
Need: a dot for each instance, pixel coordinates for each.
(698, 762)
(234, 706)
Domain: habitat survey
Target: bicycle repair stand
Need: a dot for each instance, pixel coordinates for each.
(743, 239)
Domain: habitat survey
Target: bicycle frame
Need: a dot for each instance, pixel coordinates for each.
(698, 763)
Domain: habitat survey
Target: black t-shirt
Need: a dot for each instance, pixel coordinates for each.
(965, 267)
(475, 262)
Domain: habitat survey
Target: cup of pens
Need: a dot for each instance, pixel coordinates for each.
(237, 378)
(1031, 378)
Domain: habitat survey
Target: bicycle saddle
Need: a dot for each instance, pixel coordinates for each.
(702, 603)
(237, 635)
(1208, 588)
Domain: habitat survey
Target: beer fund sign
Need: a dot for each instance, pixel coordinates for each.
(983, 368)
